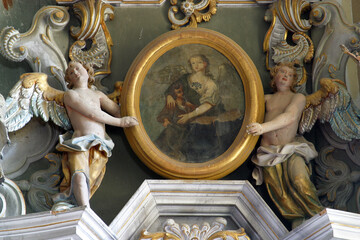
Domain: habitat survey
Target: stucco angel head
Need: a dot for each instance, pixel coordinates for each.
(284, 73)
(77, 70)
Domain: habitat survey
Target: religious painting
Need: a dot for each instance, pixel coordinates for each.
(192, 91)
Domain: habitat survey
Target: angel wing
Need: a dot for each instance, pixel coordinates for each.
(33, 96)
(332, 103)
(4, 137)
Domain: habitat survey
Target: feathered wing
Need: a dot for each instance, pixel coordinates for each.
(33, 96)
(332, 103)
(4, 137)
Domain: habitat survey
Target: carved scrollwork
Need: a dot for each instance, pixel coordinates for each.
(38, 43)
(290, 12)
(335, 180)
(193, 12)
(43, 184)
(303, 51)
(173, 230)
(330, 61)
(285, 17)
(10, 37)
(93, 15)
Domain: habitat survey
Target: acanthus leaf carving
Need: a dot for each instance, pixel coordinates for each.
(93, 41)
(43, 184)
(173, 230)
(285, 17)
(335, 180)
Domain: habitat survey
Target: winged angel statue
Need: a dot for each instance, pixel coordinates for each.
(282, 151)
(83, 112)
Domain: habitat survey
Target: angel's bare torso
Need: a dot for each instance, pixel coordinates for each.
(83, 123)
(283, 111)
(277, 104)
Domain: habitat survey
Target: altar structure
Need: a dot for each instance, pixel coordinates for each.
(183, 173)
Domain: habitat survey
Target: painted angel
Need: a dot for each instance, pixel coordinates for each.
(283, 156)
(83, 111)
(194, 103)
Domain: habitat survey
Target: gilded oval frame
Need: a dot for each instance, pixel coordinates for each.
(137, 136)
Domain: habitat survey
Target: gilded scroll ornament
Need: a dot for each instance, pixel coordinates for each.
(285, 17)
(93, 15)
(175, 231)
(193, 12)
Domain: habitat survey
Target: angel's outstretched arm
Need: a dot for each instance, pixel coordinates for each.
(291, 114)
(346, 51)
(109, 105)
(73, 101)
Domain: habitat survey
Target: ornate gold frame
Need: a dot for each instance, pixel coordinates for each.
(137, 136)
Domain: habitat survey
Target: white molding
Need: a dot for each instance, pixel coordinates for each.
(236, 200)
(329, 224)
(76, 223)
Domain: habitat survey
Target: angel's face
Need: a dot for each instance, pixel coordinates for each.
(284, 78)
(78, 74)
(197, 64)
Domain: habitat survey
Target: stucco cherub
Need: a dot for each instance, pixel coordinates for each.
(83, 111)
(283, 156)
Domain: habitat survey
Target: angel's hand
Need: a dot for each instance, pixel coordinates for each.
(254, 129)
(344, 49)
(183, 118)
(128, 121)
(170, 102)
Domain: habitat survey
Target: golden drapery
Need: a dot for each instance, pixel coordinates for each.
(286, 175)
(92, 163)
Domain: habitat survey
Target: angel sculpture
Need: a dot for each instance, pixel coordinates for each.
(282, 158)
(83, 112)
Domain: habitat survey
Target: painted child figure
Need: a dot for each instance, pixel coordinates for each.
(171, 138)
(282, 158)
(88, 147)
(171, 116)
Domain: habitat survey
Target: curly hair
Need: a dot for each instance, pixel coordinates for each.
(88, 67)
(274, 70)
